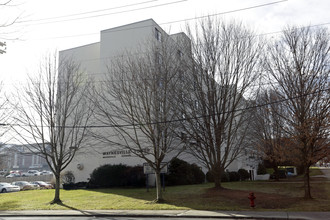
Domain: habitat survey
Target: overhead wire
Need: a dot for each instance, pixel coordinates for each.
(180, 119)
(175, 21)
(107, 14)
(87, 12)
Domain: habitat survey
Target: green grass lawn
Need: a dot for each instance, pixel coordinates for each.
(270, 196)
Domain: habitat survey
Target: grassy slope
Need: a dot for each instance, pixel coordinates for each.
(281, 195)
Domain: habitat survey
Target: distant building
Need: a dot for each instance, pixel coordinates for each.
(19, 157)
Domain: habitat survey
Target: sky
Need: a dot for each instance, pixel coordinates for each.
(45, 26)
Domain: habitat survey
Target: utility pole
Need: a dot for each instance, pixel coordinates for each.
(3, 44)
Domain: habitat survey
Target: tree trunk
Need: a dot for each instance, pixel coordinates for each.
(57, 199)
(276, 174)
(159, 198)
(307, 186)
(217, 178)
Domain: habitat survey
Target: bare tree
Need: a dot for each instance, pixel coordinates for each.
(5, 114)
(54, 122)
(223, 66)
(298, 63)
(269, 139)
(135, 103)
(6, 20)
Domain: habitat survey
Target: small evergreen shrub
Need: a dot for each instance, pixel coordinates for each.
(261, 169)
(233, 176)
(182, 173)
(209, 177)
(244, 174)
(224, 177)
(118, 175)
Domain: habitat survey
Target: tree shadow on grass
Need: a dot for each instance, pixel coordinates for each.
(9, 205)
(75, 209)
(208, 198)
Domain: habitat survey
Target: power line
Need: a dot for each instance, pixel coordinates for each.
(180, 119)
(175, 21)
(101, 15)
(87, 12)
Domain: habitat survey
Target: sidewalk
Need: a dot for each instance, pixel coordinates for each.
(171, 214)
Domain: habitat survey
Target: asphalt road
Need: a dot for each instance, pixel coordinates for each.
(100, 218)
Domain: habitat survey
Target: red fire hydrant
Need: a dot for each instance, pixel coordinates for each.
(252, 198)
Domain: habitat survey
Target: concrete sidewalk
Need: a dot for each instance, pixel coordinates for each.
(173, 214)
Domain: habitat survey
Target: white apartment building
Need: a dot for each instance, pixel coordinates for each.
(93, 59)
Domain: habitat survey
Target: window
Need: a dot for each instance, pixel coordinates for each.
(195, 85)
(183, 136)
(196, 103)
(159, 58)
(180, 54)
(181, 75)
(158, 35)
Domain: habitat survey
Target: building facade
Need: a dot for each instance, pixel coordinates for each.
(94, 59)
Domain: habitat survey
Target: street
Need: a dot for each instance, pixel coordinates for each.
(98, 218)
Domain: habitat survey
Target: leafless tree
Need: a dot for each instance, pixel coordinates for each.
(6, 20)
(53, 113)
(269, 139)
(135, 103)
(298, 65)
(223, 66)
(5, 114)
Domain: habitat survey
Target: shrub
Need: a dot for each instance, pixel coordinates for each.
(183, 173)
(134, 176)
(68, 177)
(261, 169)
(199, 176)
(118, 175)
(244, 174)
(224, 177)
(233, 176)
(209, 177)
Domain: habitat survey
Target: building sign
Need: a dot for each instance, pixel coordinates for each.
(115, 153)
(147, 169)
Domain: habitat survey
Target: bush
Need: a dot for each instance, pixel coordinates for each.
(224, 177)
(209, 177)
(233, 176)
(199, 176)
(244, 174)
(261, 169)
(68, 177)
(134, 177)
(182, 173)
(116, 176)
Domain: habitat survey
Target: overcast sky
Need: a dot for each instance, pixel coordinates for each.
(48, 25)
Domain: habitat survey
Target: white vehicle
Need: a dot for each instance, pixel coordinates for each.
(31, 173)
(13, 175)
(7, 187)
(45, 172)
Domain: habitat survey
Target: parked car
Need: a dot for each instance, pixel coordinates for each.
(35, 186)
(11, 175)
(46, 172)
(31, 173)
(23, 185)
(43, 185)
(7, 187)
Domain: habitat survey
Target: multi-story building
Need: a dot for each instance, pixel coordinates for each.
(93, 60)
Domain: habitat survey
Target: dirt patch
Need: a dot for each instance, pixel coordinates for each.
(263, 200)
